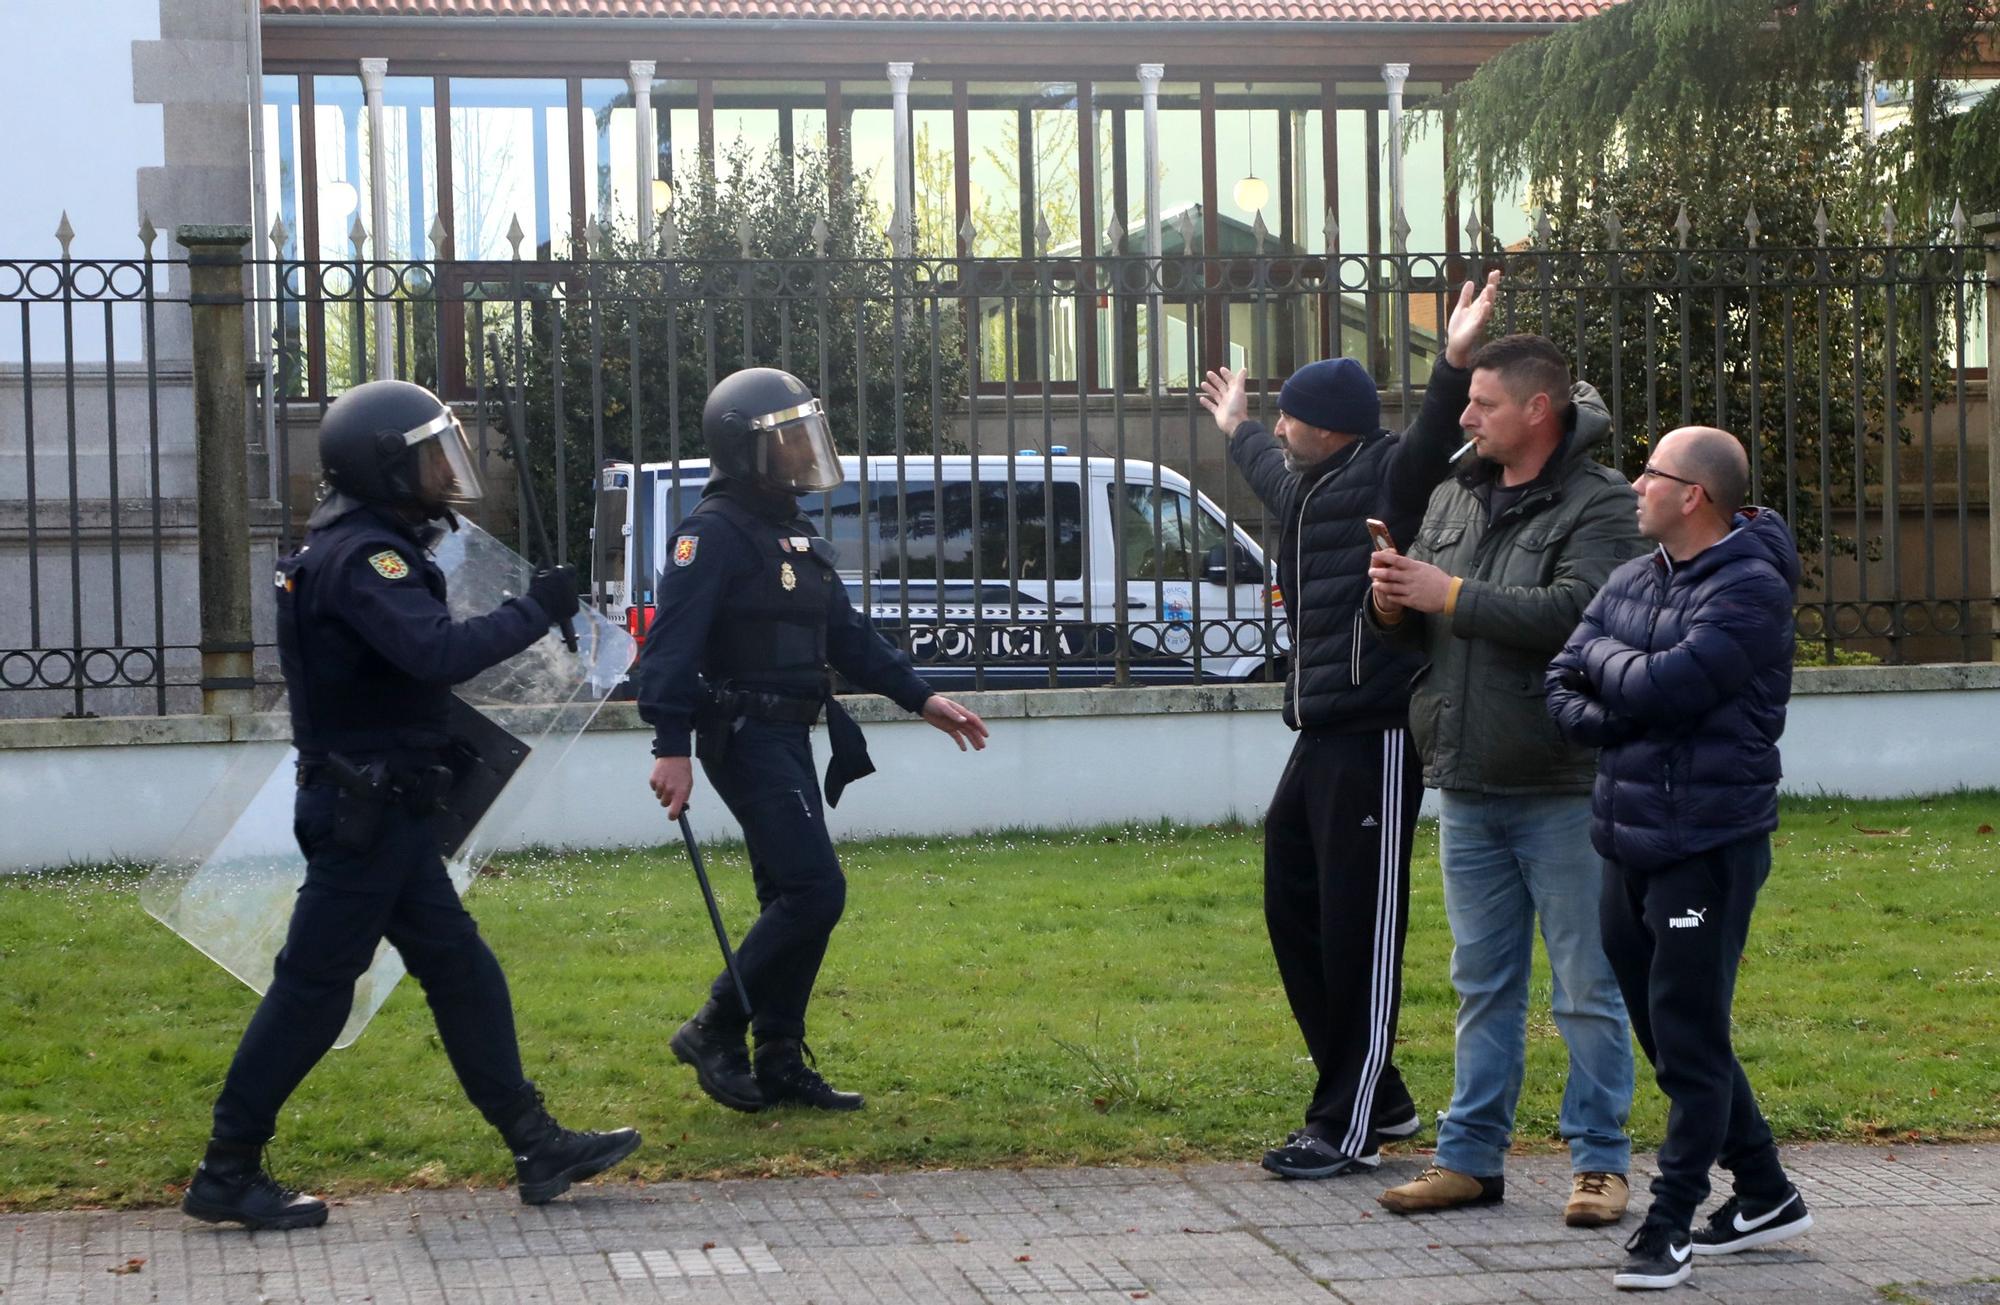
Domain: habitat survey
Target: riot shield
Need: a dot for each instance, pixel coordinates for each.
(228, 885)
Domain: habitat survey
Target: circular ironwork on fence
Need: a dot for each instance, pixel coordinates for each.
(44, 281)
(128, 280)
(59, 668)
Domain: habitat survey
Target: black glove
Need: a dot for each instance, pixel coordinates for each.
(554, 591)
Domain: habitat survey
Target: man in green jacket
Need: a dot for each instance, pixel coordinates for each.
(1510, 552)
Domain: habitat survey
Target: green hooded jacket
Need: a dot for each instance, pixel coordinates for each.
(1477, 712)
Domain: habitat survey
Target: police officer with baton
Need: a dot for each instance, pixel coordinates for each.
(749, 615)
(370, 652)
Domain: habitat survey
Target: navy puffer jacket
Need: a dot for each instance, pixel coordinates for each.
(1681, 673)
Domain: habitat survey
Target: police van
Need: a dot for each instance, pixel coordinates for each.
(1002, 570)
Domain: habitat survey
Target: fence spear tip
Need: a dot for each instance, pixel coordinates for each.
(1958, 221)
(280, 234)
(1474, 229)
(515, 235)
(743, 236)
(1889, 221)
(1682, 226)
(1752, 225)
(65, 233)
(148, 233)
(1259, 232)
(1331, 230)
(820, 232)
(1820, 223)
(1043, 232)
(357, 235)
(437, 234)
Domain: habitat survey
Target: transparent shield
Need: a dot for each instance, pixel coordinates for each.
(228, 885)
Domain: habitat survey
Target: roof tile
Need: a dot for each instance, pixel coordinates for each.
(1026, 11)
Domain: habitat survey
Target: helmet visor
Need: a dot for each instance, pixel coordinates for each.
(795, 450)
(443, 462)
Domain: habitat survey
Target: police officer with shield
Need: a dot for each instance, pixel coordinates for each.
(370, 652)
(749, 615)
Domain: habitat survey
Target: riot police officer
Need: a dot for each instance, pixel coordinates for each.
(749, 615)
(369, 653)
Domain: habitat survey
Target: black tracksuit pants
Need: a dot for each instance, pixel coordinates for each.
(1674, 938)
(1336, 900)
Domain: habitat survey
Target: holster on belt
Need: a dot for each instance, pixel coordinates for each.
(364, 795)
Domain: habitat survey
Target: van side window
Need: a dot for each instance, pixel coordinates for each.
(940, 536)
(1162, 535)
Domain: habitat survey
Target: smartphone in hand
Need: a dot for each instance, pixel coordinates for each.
(1379, 532)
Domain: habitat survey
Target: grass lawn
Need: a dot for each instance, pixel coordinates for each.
(1100, 997)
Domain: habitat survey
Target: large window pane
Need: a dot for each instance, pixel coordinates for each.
(611, 149)
(286, 192)
(1126, 354)
(871, 150)
(510, 164)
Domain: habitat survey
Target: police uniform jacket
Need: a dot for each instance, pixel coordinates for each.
(750, 601)
(369, 649)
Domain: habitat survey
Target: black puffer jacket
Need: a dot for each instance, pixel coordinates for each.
(1340, 681)
(1681, 673)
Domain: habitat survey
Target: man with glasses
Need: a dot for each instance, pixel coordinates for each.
(1510, 552)
(1680, 672)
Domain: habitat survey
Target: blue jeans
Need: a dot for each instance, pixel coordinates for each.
(1506, 859)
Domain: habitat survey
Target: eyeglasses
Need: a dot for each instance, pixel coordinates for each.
(1650, 470)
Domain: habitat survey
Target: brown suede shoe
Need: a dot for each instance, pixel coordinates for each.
(1596, 1200)
(1443, 1189)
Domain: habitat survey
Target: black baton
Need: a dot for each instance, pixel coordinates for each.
(715, 916)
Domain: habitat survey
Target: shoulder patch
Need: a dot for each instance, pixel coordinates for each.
(389, 564)
(684, 549)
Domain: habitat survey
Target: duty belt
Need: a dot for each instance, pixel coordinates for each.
(727, 704)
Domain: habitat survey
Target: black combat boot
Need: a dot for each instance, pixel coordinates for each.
(787, 1079)
(712, 1042)
(549, 1157)
(230, 1186)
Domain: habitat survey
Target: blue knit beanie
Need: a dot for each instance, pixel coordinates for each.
(1335, 394)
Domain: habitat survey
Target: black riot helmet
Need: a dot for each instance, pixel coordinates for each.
(763, 426)
(395, 443)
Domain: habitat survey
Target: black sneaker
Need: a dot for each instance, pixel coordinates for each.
(721, 1064)
(787, 1077)
(1656, 1257)
(1743, 1223)
(232, 1187)
(549, 1157)
(1308, 1157)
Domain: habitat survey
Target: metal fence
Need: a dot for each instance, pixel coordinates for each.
(1855, 375)
(95, 474)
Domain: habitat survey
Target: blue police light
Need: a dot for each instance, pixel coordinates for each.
(1031, 453)
(1058, 450)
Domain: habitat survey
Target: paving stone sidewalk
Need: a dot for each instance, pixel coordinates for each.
(1897, 1225)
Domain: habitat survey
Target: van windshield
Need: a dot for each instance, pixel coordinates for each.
(1162, 534)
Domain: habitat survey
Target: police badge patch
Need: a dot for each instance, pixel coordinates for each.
(684, 549)
(787, 577)
(389, 564)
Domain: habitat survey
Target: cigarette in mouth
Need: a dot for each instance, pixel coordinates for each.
(1461, 451)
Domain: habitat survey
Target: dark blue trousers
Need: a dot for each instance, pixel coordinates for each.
(398, 889)
(766, 779)
(1674, 937)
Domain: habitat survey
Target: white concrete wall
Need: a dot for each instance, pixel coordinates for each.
(62, 804)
